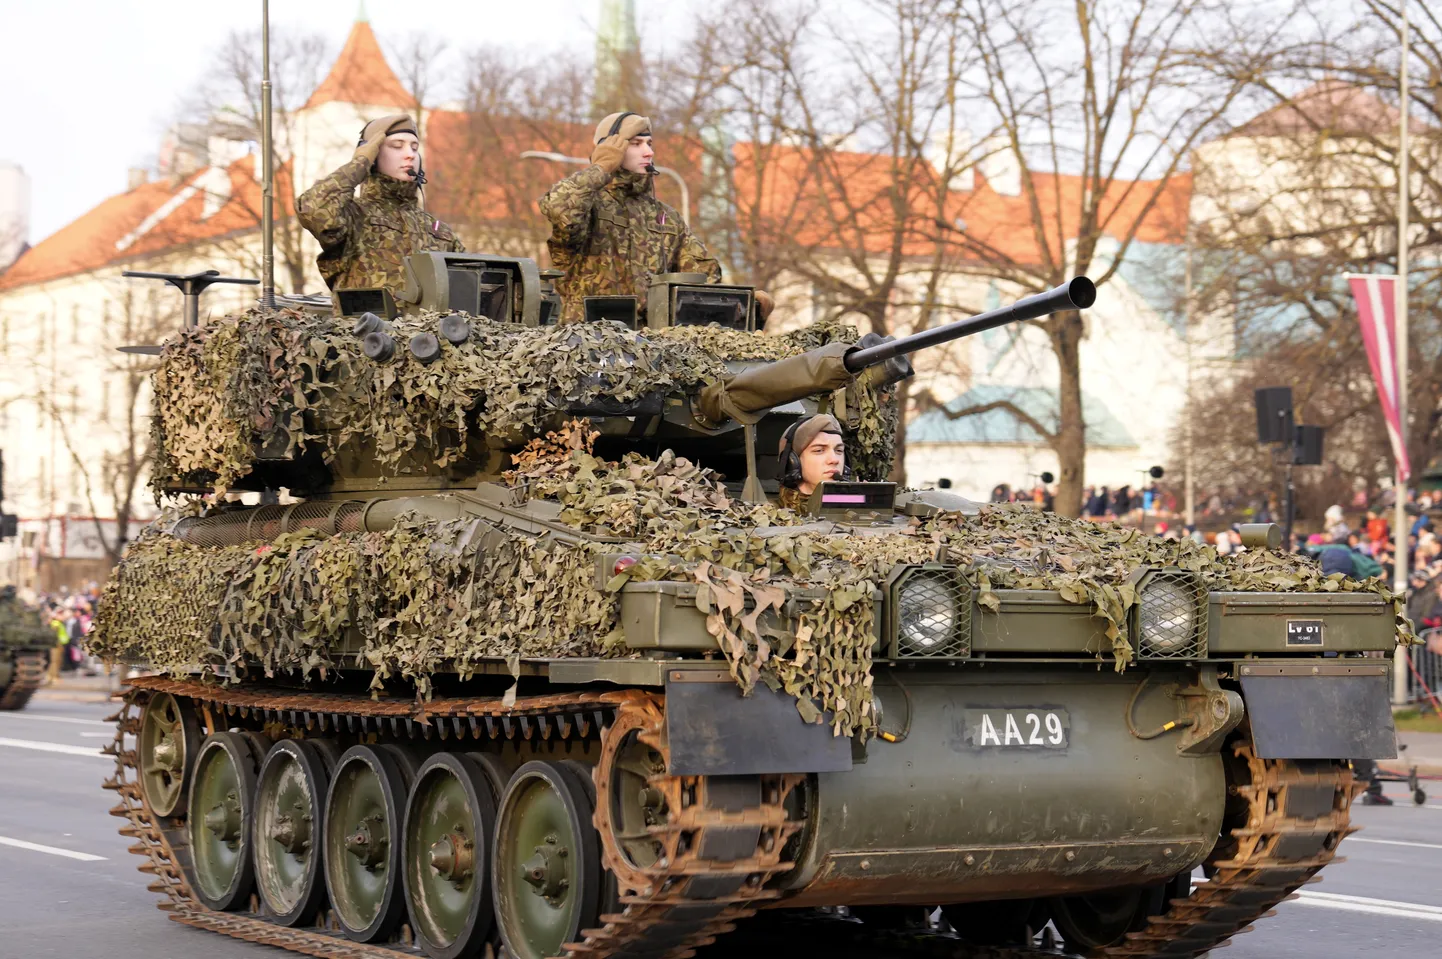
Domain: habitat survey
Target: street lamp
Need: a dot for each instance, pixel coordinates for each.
(582, 161)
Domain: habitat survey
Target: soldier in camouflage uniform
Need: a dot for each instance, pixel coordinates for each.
(608, 230)
(812, 451)
(365, 239)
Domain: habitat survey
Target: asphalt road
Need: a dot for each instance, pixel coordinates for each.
(69, 889)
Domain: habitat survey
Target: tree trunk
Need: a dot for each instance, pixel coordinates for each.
(902, 393)
(1070, 440)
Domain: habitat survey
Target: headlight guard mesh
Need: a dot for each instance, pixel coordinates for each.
(924, 584)
(1170, 618)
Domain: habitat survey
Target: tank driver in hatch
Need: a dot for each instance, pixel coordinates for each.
(366, 236)
(812, 452)
(610, 233)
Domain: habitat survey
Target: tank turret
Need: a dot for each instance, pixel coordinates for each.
(436, 388)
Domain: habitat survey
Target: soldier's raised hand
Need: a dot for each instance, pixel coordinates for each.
(373, 136)
(611, 150)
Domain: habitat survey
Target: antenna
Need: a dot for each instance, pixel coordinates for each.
(267, 201)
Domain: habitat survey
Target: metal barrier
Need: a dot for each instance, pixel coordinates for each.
(1426, 672)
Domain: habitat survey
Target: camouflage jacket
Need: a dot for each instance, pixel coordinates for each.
(610, 234)
(364, 240)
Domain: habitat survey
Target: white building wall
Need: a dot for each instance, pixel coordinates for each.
(14, 212)
(63, 394)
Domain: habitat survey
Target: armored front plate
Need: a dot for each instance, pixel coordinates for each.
(1296, 714)
(715, 731)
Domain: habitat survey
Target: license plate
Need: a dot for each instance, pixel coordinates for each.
(1024, 727)
(1304, 632)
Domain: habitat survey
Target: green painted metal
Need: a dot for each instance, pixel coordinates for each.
(936, 818)
(168, 740)
(362, 845)
(450, 818)
(1257, 622)
(545, 864)
(289, 817)
(222, 794)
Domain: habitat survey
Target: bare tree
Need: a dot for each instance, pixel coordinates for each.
(227, 102)
(111, 464)
(1277, 243)
(857, 131)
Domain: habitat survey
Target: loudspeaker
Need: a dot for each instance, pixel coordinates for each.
(1274, 414)
(1308, 448)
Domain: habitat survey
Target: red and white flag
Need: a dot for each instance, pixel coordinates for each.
(1376, 297)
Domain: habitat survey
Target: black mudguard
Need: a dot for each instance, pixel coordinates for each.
(713, 730)
(1296, 715)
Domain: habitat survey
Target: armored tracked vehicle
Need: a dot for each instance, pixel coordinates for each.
(25, 646)
(477, 633)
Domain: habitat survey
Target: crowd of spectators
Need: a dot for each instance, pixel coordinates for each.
(68, 613)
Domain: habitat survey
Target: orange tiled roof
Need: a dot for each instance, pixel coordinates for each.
(781, 192)
(361, 75)
(151, 218)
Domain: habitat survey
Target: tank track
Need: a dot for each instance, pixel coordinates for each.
(1285, 827)
(1296, 813)
(29, 674)
(670, 909)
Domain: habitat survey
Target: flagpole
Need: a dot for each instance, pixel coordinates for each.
(1402, 526)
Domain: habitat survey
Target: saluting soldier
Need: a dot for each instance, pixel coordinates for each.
(365, 237)
(608, 230)
(812, 452)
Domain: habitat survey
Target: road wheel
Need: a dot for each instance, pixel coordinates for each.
(222, 797)
(289, 820)
(450, 819)
(169, 738)
(362, 842)
(546, 861)
(1092, 922)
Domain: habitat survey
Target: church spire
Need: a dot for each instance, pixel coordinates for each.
(619, 81)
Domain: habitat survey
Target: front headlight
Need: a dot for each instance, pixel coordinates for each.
(1169, 617)
(932, 613)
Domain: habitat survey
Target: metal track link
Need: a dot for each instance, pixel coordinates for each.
(29, 674)
(1297, 813)
(667, 914)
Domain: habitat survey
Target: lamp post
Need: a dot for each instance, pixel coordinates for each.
(582, 161)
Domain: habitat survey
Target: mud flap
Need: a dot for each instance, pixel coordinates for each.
(713, 730)
(1337, 712)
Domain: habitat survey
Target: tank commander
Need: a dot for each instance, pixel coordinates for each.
(608, 230)
(365, 236)
(812, 452)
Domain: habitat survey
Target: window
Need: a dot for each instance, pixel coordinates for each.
(75, 324)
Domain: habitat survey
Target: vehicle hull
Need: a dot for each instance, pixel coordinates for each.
(938, 817)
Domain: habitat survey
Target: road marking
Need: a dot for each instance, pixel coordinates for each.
(52, 850)
(52, 747)
(90, 735)
(55, 719)
(1375, 907)
(1396, 842)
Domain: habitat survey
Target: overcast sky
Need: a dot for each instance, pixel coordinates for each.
(92, 85)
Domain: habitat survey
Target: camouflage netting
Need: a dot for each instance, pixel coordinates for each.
(294, 382)
(790, 602)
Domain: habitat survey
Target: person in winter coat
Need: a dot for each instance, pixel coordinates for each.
(610, 233)
(366, 236)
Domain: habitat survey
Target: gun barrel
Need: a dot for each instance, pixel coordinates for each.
(1076, 294)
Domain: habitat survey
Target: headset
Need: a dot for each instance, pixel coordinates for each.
(616, 128)
(791, 460)
(419, 173)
